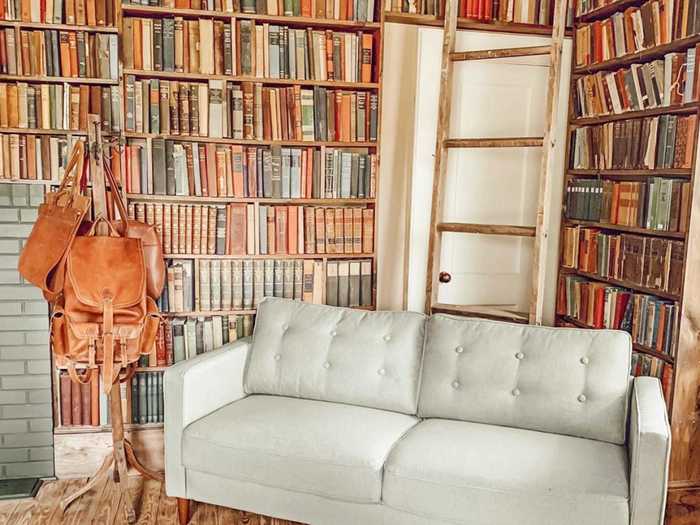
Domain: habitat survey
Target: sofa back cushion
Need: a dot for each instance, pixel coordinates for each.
(369, 359)
(561, 380)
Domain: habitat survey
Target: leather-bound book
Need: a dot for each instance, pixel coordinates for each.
(66, 400)
(77, 405)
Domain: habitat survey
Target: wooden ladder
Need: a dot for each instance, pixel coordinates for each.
(444, 143)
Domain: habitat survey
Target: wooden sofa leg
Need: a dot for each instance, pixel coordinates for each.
(183, 510)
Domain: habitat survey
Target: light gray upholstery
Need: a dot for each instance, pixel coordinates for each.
(193, 389)
(327, 449)
(649, 452)
(482, 456)
(564, 380)
(369, 359)
(475, 473)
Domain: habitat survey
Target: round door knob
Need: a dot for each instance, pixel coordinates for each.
(445, 277)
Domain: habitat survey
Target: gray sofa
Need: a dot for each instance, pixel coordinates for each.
(337, 416)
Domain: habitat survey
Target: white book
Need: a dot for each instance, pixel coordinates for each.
(262, 229)
(197, 174)
(204, 108)
(113, 57)
(300, 229)
(218, 331)
(190, 338)
(226, 284)
(260, 52)
(215, 101)
(215, 281)
(147, 39)
(206, 38)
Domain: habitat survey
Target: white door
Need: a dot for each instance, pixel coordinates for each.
(491, 98)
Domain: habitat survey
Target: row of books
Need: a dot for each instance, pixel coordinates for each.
(358, 10)
(213, 47)
(79, 403)
(204, 332)
(659, 83)
(665, 141)
(78, 12)
(147, 398)
(222, 285)
(657, 204)
(160, 167)
(652, 262)
(58, 106)
(651, 321)
(59, 53)
(630, 31)
(250, 111)
(519, 11)
(240, 229)
(33, 157)
(646, 365)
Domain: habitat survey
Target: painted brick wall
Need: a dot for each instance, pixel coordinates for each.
(26, 438)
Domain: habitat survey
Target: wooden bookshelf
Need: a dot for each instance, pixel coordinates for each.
(253, 142)
(59, 80)
(680, 370)
(58, 27)
(469, 24)
(261, 200)
(281, 256)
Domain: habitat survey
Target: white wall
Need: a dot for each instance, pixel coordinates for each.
(494, 98)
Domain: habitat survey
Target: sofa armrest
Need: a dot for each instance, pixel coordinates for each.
(649, 451)
(193, 389)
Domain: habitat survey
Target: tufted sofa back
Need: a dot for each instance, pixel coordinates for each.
(559, 380)
(369, 359)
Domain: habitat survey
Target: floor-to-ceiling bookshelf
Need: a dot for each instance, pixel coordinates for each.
(630, 222)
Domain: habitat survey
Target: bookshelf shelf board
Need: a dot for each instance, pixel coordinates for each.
(637, 347)
(227, 200)
(607, 10)
(670, 172)
(37, 131)
(251, 142)
(628, 229)
(640, 56)
(131, 9)
(89, 429)
(176, 75)
(210, 313)
(81, 366)
(621, 283)
(59, 80)
(466, 23)
(684, 109)
(59, 27)
(322, 256)
(28, 181)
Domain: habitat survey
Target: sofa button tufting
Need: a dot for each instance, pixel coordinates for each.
(515, 392)
(381, 372)
(519, 355)
(387, 338)
(455, 384)
(582, 398)
(333, 333)
(277, 357)
(326, 365)
(459, 349)
(584, 360)
(285, 327)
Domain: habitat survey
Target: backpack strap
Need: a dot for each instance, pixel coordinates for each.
(83, 378)
(108, 341)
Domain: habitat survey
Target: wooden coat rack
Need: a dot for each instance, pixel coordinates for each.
(122, 455)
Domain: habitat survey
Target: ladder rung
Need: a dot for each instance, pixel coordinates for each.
(486, 312)
(505, 142)
(486, 54)
(487, 229)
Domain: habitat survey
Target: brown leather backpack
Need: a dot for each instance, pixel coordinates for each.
(106, 314)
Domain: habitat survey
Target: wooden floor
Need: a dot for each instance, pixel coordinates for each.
(102, 506)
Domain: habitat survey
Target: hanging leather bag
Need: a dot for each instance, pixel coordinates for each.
(43, 258)
(107, 314)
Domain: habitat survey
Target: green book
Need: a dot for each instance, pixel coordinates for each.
(143, 400)
(159, 167)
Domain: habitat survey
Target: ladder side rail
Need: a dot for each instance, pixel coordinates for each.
(440, 167)
(544, 190)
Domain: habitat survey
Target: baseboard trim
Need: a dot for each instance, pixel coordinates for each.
(683, 504)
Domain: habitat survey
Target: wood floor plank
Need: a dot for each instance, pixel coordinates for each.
(49, 494)
(167, 509)
(56, 517)
(150, 498)
(6, 509)
(104, 505)
(109, 505)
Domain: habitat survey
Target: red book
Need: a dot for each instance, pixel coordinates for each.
(85, 403)
(599, 307)
(66, 401)
(76, 405)
(488, 13)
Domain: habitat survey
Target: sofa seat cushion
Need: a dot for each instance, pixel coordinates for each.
(483, 474)
(327, 449)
